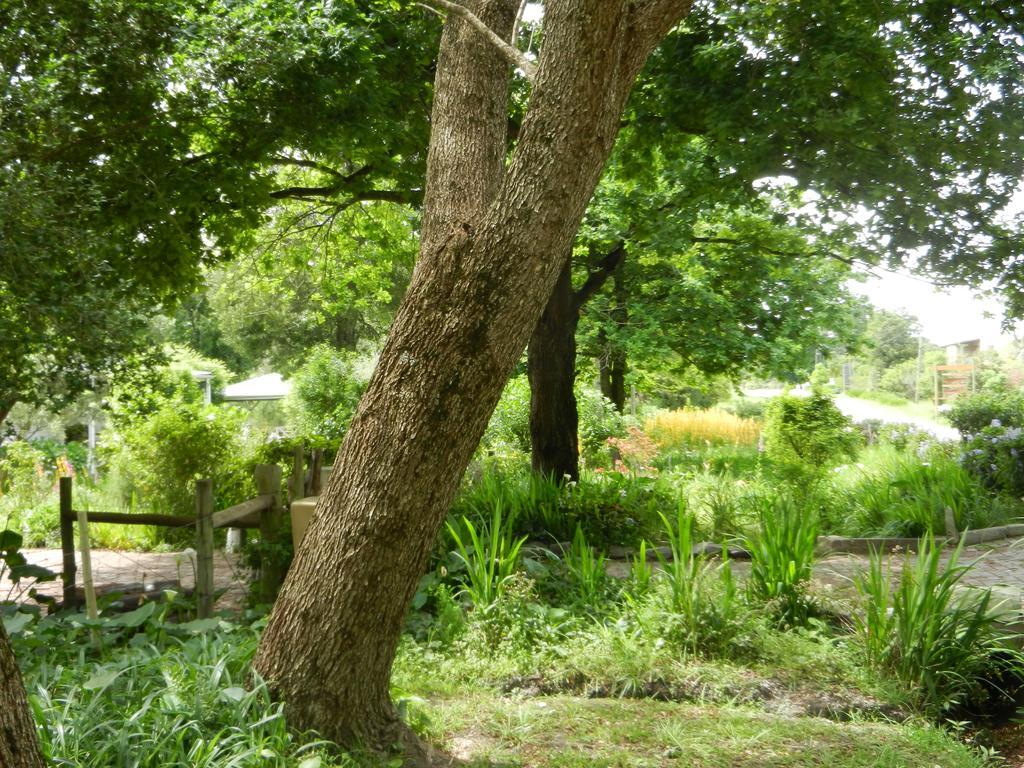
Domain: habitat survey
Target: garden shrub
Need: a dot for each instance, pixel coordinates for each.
(22, 470)
(609, 507)
(782, 555)
(599, 421)
(808, 434)
(995, 455)
(941, 644)
(178, 444)
(143, 390)
(325, 393)
(696, 601)
(991, 426)
(896, 493)
(509, 426)
(972, 413)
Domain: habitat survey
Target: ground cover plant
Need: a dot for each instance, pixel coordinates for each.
(523, 615)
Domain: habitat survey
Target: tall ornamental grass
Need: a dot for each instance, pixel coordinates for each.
(689, 426)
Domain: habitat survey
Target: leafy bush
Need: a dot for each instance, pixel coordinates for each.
(22, 470)
(325, 393)
(687, 427)
(164, 453)
(746, 408)
(489, 557)
(611, 508)
(143, 390)
(599, 421)
(722, 504)
(941, 645)
(509, 426)
(156, 693)
(994, 456)
(893, 493)
(587, 569)
(808, 434)
(971, 414)
(782, 556)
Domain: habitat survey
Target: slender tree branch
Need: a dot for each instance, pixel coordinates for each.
(513, 54)
(401, 196)
(599, 276)
(313, 164)
(774, 251)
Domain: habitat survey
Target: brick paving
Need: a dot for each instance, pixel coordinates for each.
(138, 571)
(996, 564)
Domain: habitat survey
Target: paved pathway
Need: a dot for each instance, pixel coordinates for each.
(998, 564)
(135, 571)
(863, 410)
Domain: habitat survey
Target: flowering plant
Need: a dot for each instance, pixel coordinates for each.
(995, 455)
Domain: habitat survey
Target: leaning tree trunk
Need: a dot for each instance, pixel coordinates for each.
(551, 367)
(484, 274)
(19, 746)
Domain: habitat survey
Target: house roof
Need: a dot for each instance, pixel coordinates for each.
(269, 386)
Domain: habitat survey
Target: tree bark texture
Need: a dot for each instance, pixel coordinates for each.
(19, 745)
(484, 273)
(551, 368)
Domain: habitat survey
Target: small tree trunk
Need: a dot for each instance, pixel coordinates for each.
(612, 364)
(551, 366)
(19, 745)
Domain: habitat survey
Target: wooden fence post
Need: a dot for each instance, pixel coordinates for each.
(316, 463)
(92, 610)
(67, 543)
(204, 548)
(297, 480)
(268, 482)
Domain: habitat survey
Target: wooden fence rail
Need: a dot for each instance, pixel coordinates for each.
(263, 512)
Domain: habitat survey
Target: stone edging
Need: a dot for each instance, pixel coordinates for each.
(866, 545)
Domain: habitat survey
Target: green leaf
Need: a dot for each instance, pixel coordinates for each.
(16, 623)
(233, 694)
(199, 625)
(31, 571)
(134, 618)
(10, 540)
(101, 679)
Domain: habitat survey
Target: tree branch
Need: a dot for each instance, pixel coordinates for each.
(510, 52)
(774, 251)
(303, 163)
(401, 196)
(653, 19)
(599, 276)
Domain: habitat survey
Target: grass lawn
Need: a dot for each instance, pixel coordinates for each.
(567, 731)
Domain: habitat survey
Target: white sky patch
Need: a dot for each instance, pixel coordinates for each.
(947, 315)
(533, 13)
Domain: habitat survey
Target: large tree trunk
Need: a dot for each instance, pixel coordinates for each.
(484, 274)
(19, 746)
(551, 367)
